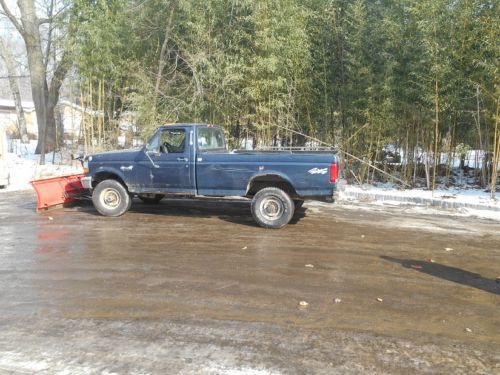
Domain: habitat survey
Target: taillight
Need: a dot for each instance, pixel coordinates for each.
(334, 173)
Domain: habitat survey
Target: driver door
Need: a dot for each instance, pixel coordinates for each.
(169, 152)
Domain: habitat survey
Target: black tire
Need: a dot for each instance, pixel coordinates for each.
(151, 198)
(298, 203)
(111, 198)
(272, 208)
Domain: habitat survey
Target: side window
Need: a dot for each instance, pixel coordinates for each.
(210, 139)
(173, 141)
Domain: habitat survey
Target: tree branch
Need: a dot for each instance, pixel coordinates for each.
(11, 17)
(60, 73)
(163, 53)
(49, 37)
(41, 21)
(52, 16)
(6, 55)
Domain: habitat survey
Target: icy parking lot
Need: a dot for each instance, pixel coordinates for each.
(196, 287)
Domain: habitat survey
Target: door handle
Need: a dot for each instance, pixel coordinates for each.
(182, 159)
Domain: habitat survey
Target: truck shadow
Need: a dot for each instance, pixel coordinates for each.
(457, 275)
(247, 219)
(233, 211)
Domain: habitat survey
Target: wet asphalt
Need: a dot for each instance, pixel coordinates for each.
(195, 287)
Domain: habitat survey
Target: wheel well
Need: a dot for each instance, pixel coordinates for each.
(270, 180)
(101, 176)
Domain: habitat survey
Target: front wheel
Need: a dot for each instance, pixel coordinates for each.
(111, 198)
(272, 208)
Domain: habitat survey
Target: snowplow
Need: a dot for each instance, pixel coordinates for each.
(60, 186)
(58, 191)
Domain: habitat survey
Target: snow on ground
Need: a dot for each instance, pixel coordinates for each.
(24, 166)
(474, 196)
(478, 202)
(21, 172)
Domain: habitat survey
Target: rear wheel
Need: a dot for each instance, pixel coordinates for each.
(111, 198)
(272, 208)
(151, 198)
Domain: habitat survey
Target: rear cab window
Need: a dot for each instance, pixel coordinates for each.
(211, 139)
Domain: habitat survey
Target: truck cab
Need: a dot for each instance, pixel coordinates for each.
(192, 160)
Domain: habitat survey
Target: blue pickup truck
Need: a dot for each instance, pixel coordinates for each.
(193, 160)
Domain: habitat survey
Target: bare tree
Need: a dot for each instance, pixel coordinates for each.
(8, 58)
(45, 92)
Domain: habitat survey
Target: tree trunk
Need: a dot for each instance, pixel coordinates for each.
(437, 157)
(6, 55)
(496, 155)
(52, 99)
(45, 98)
(39, 93)
(31, 35)
(162, 58)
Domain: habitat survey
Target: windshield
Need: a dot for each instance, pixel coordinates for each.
(210, 139)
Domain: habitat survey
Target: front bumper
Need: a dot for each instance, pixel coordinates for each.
(87, 182)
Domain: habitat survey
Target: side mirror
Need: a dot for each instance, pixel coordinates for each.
(150, 152)
(77, 156)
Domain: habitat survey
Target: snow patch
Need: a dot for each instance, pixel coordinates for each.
(23, 166)
(479, 203)
(478, 196)
(12, 361)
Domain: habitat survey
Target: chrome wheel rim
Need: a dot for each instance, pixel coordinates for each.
(110, 198)
(272, 208)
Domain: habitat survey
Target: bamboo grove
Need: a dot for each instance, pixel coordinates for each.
(419, 75)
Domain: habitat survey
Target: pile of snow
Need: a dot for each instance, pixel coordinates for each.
(21, 172)
(23, 166)
(470, 196)
(466, 202)
(54, 170)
